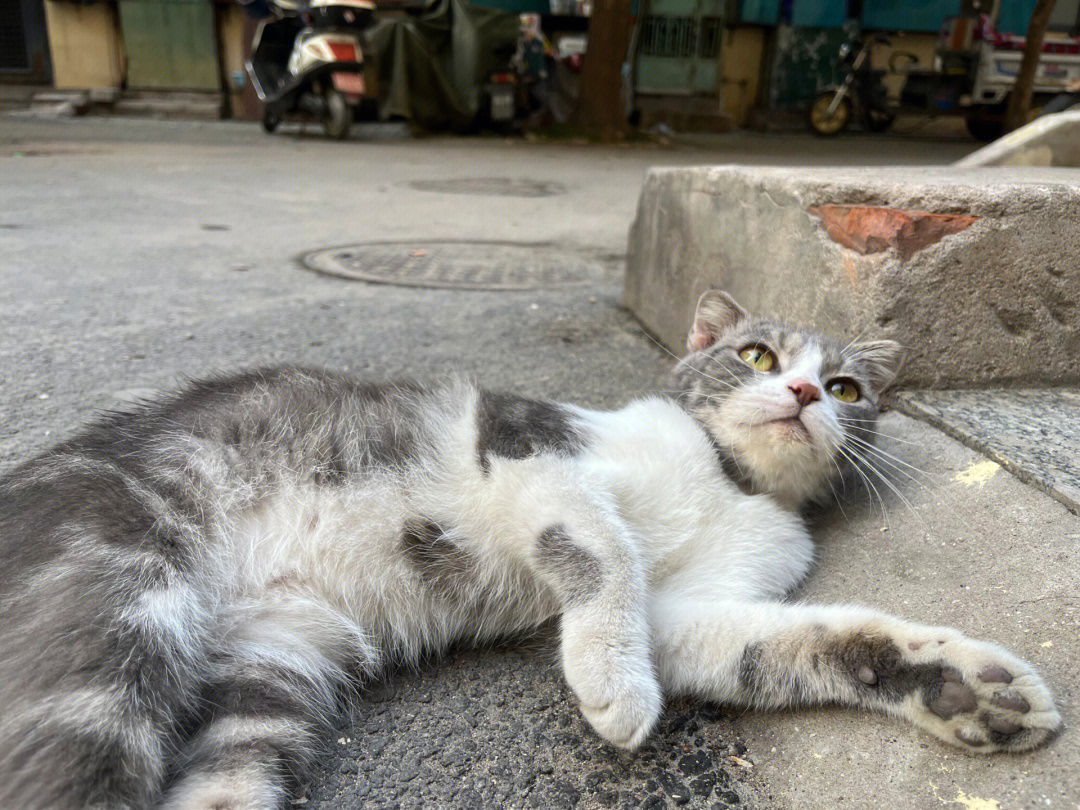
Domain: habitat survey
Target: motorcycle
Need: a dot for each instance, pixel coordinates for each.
(861, 92)
(308, 58)
(973, 72)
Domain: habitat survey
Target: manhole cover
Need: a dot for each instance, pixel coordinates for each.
(464, 265)
(492, 186)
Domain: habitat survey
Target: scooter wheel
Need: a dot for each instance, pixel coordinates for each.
(270, 120)
(338, 116)
(822, 121)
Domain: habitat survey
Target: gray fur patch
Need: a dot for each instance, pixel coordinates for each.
(515, 427)
(750, 672)
(441, 564)
(893, 678)
(576, 573)
(767, 683)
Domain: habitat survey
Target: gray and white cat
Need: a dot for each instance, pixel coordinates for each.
(190, 590)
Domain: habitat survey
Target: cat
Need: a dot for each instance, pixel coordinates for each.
(193, 588)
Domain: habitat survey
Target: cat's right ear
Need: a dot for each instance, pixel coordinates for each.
(716, 313)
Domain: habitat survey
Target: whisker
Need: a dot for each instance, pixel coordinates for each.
(894, 468)
(856, 339)
(885, 480)
(869, 483)
(725, 368)
(836, 497)
(682, 360)
(844, 420)
(886, 455)
(930, 477)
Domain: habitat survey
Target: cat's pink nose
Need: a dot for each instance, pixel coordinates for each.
(804, 391)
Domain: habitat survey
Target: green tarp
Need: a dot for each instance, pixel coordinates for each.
(432, 67)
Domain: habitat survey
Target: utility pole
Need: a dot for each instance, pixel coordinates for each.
(600, 109)
(1020, 98)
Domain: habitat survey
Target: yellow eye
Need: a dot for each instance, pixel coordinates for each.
(758, 358)
(844, 390)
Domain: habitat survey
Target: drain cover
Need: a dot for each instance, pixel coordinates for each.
(492, 186)
(464, 265)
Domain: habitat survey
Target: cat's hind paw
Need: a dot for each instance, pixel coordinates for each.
(968, 693)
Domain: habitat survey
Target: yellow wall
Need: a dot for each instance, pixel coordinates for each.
(740, 71)
(85, 42)
(232, 44)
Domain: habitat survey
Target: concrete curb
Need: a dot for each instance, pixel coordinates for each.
(975, 273)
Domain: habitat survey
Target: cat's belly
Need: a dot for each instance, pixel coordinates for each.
(370, 554)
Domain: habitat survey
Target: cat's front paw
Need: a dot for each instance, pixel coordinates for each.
(972, 694)
(619, 693)
(627, 718)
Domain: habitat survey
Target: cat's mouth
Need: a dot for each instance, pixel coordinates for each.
(791, 429)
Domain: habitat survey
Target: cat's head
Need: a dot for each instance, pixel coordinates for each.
(789, 409)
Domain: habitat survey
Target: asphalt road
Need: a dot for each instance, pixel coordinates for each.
(135, 253)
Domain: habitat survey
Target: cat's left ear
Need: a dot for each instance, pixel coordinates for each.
(716, 313)
(880, 361)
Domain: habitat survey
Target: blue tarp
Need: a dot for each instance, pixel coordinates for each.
(819, 13)
(908, 15)
(763, 12)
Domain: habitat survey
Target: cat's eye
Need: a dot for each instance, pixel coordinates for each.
(844, 390)
(759, 358)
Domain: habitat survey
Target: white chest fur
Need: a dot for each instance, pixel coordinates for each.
(698, 533)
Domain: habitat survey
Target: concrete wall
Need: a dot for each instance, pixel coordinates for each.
(1051, 140)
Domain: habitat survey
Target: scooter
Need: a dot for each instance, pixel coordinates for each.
(307, 58)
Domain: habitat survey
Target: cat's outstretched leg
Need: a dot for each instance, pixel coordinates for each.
(767, 655)
(274, 686)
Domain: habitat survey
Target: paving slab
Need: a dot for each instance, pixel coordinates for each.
(961, 543)
(1032, 433)
(974, 271)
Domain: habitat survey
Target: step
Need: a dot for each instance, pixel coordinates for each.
(1032, 433)
(1052, 140)
(975, 272)
(683, 113)
(170, 104)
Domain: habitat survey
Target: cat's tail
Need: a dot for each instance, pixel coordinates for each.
(122, 666)
(101, 641)
(278, 672)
